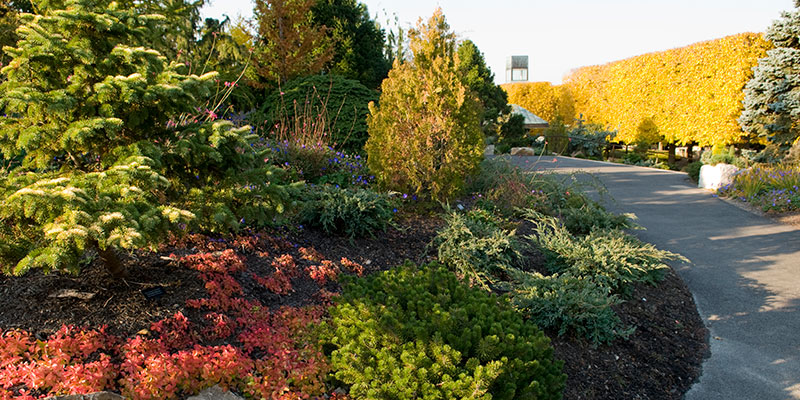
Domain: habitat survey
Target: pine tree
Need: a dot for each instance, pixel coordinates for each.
(357, 41)
(425, 136)
(480, 79)
(115, 153)
(772, 96)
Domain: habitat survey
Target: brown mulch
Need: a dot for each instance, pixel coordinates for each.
(659, 361)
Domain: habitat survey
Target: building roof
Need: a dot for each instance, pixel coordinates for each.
(531, 120)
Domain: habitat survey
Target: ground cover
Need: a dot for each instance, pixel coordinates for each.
(659, 360)
(772, 188)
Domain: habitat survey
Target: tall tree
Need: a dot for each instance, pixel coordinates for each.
(480, 79)
(772, 96)
(358, 41)
(289, 45)
(425, 136)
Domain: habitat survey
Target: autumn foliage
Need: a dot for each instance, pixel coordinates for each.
(425, 136)
(544, 99)
(692, 93)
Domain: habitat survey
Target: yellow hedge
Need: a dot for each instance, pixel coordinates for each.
(543, 99)
(692, 93)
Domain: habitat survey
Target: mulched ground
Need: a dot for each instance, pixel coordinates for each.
(659, 361)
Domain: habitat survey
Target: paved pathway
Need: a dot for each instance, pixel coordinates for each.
(744, 272)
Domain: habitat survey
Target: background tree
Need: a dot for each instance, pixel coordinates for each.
(216, 49)
(288, 44)
(772, 96)
(114, 154)
(425, 136)
(480, 79)
(9, 21)
(357, 40)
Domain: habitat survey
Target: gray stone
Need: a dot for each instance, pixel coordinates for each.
(716, 176)
(522, 151)
(489, 150)
(215, 393)
(91, 396)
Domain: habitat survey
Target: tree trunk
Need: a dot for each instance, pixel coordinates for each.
(671, 153)
(111, 261)
(689, 153)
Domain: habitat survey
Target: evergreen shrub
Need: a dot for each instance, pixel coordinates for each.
(567, 303)
(116, 150)
(693, 170)
(414, 333)
(612, 258)
(476, 246)
(354, 212)
(425, 137)
(591, 216)
(342, 102)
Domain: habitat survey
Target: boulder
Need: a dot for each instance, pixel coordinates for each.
(489, 150)
(215, 393)
(716, 176)
(522, 151)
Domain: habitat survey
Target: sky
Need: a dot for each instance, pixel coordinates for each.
(560, 35)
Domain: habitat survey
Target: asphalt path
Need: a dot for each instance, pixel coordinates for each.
(743, 270)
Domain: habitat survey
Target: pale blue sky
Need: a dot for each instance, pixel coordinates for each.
(562, 35)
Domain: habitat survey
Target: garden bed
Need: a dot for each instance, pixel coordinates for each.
(659, 361)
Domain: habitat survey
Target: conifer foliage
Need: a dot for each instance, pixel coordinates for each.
(425, 136)
(116, 150)
(772, 96)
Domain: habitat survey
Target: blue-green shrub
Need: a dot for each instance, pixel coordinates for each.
(351, 212)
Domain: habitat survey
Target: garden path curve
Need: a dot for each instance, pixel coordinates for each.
(743, 270)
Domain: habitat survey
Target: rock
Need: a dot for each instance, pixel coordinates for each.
(522, 151)
(215, 393)
(91, 396)
(716, 176)
(489, 150)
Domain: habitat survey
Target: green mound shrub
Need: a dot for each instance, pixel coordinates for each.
(334, 101)
(567, 303)
(723, 156)
(513, 134)
(415, 333)
(351, 212)
(589, 140)
(476, 247)
(693, 170)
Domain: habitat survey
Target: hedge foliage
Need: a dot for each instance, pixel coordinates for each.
(414, 333)
(544, 99)
(692, 93)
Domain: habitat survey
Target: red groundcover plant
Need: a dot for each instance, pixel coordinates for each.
(239, 344)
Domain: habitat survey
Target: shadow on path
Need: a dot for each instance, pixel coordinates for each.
(743, 270)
